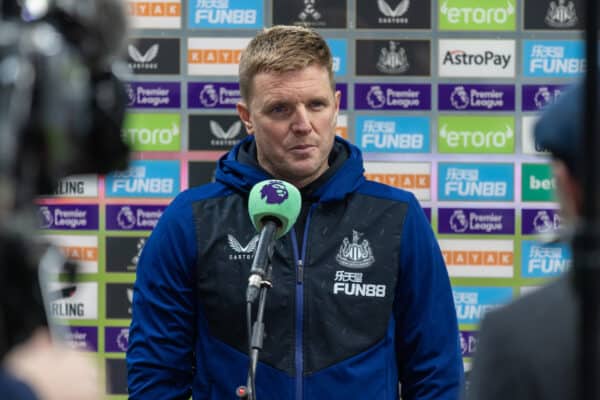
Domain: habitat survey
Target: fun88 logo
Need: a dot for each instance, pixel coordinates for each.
(475, 182)
(553, 58)
(156, 179)
(228, 14)
(393, 134)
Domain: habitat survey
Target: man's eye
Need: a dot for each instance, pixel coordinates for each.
(278, 109)
(317, 105)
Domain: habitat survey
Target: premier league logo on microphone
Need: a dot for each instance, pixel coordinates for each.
(274, 192)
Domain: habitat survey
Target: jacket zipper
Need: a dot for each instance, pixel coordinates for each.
(300, 257)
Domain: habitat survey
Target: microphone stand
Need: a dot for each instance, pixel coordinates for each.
(586, 253)
(257, 335)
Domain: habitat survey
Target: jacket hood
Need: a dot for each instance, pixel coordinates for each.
(241, 177)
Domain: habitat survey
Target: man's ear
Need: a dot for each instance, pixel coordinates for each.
(244, 113)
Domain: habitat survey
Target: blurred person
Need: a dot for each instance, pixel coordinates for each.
(361, 298)
(61, 110)
(528, 348)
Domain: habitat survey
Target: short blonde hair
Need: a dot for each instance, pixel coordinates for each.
(283, 48)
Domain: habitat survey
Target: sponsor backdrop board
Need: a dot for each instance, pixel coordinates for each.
(442, 97)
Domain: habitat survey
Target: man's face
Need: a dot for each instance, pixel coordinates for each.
(292, 116)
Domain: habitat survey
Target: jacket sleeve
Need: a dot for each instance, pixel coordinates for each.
(160, 357)
(427, 339)
(11, 388)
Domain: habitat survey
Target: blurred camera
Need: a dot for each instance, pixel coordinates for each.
(62, 105)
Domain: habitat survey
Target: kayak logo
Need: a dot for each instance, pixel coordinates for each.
(494, 15)
(477, 258)
(214, 55)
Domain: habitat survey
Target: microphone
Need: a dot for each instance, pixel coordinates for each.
(273, 206)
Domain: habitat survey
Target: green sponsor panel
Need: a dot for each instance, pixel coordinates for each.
(152, 131)
(477, 15)
(537, 183)
(476, 135)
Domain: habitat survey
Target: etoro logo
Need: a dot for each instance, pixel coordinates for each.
(152, 132)
(472, 15)
(476, 134)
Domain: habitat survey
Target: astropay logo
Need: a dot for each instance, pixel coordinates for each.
(474, 15)
(477, 58)
(476, 134)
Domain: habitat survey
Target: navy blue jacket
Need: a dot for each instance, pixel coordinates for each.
(362, 305)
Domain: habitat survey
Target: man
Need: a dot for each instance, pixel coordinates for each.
(338, 325)
(527, 349)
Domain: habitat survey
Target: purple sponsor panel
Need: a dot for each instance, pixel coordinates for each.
(388, 96)
(213, 95)
(468, 343)
(459, 97)
(68, 217)
(153, 94)
(343, 88)
(116, 339)
(536, 97)
(129, 217)
(476, 221)
(539, 221)
(84, 338)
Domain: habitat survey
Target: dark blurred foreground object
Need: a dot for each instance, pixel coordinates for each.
(62, 105)
(529, 348)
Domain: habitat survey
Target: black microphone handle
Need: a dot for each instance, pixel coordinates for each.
(262, 257)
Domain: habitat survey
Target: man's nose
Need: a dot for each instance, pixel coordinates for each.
(301, 121)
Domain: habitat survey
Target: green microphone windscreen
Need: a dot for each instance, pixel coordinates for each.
(274, 199)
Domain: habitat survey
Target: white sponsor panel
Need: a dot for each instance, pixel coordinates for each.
(155, 14)
(478, 258)
(215, 56)
(77, 186)
(83, 250)
(414, 177)
(80, 301)
(528, 125)
(476, 58)
(524, 290)
(341, 128)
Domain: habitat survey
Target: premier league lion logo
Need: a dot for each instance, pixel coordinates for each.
(274, 192)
